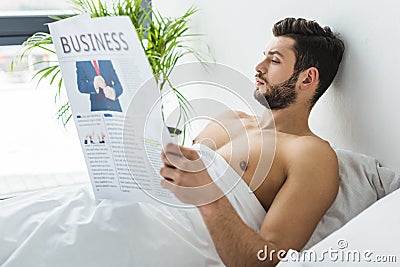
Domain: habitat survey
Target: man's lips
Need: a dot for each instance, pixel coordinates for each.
(259, 82)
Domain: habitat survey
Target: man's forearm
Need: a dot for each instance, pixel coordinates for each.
(236, 243)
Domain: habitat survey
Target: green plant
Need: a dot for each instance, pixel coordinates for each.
(163, 39)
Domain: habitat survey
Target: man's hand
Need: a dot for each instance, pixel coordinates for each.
(186, 176)
(109, 92)
(99, 82)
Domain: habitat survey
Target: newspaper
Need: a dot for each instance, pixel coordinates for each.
(116, 106)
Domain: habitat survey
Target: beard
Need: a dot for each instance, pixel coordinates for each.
(278, 96)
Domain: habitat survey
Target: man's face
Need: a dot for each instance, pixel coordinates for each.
(275, 78)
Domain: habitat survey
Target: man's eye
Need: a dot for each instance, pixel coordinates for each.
(275, 61)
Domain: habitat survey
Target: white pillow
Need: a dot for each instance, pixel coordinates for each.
(362, 182)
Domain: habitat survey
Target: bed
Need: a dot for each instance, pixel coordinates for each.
(369, 239)
(66, 226)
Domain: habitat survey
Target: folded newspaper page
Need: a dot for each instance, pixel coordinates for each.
(116, 106)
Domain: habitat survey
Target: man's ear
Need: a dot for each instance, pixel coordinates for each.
(309, 78)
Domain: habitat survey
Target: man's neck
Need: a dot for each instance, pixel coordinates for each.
(291, 120)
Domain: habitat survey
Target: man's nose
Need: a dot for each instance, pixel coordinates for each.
(261, 67)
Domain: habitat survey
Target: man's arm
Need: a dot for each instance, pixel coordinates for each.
(113, 78)
(310, 188)
(85, 83)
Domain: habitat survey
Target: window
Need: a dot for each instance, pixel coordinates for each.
(29, 5)
(36, 150)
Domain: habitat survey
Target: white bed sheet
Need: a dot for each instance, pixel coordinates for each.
(67, 227)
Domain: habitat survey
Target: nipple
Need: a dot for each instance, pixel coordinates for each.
(243, 165)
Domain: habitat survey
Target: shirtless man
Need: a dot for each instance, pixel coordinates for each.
(296, 183)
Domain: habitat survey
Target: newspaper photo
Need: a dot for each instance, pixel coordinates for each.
(116, 106)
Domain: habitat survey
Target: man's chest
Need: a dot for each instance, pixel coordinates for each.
(257, 158)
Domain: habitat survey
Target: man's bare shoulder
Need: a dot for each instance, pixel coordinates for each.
(311, 141)
(234, 114)
(313, 145)
(313, 155)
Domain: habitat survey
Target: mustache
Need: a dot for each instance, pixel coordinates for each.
(261, 77)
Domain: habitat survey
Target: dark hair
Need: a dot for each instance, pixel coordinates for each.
(314, 47)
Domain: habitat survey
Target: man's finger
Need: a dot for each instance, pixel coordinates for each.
(175, 161)
(188, 153)
(170, 174)
(166, 160)
(182, 163)
(168, 185)
(172, 148)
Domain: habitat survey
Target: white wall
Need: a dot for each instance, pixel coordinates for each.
(360, 112)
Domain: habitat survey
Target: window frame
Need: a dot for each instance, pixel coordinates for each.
(18, 28)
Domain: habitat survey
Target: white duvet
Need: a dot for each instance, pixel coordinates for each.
(67, 227)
